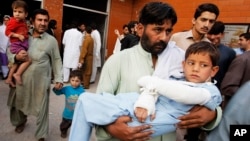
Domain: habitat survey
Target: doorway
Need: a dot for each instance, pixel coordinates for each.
(88, 12)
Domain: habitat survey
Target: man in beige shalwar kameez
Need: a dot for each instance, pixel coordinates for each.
(32, 97)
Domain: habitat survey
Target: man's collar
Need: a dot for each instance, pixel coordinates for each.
(189, 35)
(31, 31)
(141, 50)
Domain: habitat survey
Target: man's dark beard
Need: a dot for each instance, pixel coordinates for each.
(147, 46)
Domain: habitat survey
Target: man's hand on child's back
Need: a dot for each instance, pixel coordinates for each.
(197, 117)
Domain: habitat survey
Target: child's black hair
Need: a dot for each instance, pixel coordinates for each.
(76, 73)
(204, 47)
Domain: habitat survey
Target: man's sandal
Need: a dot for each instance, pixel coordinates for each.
(20, 128)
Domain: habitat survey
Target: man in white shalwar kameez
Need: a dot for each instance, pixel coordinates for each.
(72, 41)
(95, 34)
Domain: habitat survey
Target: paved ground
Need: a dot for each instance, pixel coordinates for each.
(7, 132)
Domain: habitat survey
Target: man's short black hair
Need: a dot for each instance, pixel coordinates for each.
(156, 13)
(210, 7)
(39, 11)
(245, 35)
(88, 29)
(217, 28)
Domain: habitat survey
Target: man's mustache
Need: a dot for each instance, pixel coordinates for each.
(205, 28)
(161, 43)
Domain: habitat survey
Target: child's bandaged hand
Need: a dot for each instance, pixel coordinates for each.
(142, 113)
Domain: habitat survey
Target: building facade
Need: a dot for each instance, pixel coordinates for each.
(113, 14)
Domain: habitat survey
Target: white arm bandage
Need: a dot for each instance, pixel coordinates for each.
(147, 100)
(176, 90)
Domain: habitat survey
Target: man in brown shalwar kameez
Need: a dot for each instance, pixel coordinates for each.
(86, 57)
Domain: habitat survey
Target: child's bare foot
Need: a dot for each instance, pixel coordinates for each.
(18, 79)
(10, 82)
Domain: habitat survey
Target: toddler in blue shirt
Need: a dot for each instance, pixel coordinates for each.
(71, 92)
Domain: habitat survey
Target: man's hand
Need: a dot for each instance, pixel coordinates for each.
(117, 32)
(58, 85)
(22, 55)
(120, 130)
(198, 117)
(79, 65)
